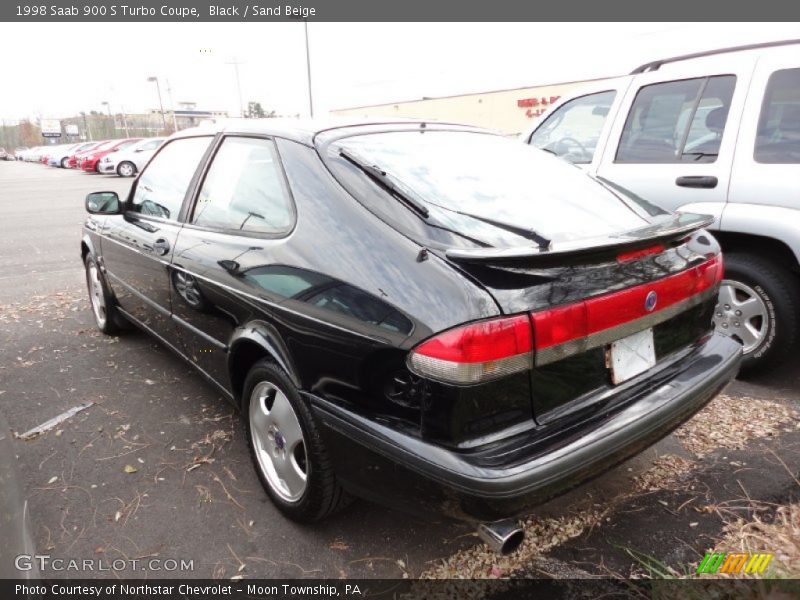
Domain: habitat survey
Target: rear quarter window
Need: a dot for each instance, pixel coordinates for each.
(778, 135)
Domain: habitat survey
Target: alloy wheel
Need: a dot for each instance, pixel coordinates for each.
(742, 314)
(278, 442)
(96, 295)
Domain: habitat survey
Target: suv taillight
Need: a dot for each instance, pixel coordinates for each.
(476, 352)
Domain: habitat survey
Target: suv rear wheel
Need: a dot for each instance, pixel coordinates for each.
(759, 305)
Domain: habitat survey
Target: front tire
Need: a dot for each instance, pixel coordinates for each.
(64, 163)
(126, 169)
(759, 305)
(286, 447)
(104, 309)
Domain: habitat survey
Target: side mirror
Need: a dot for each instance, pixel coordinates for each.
(103, 203)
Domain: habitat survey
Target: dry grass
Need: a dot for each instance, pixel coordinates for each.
(667, 473)
(779, 536)
(732, 422)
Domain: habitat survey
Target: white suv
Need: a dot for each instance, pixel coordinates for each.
(715, 133)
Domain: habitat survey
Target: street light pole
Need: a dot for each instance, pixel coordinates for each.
(160, 102)
(236, 64)
(172, 106)
(107, 104)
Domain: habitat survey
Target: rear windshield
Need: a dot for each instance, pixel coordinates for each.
(492, 177)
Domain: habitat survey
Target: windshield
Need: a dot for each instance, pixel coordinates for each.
(491, 177)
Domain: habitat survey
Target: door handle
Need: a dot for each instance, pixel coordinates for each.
(161, 246)
(697, 181)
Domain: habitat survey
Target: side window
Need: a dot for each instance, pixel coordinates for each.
(677, 121)
(573, 130)
(150, 145)
(162, 185)
(244, 189)
(778, 135)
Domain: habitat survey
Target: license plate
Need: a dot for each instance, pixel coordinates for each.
(631, 356)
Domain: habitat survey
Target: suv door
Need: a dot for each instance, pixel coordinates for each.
(673, 141)
(242, 213)
(137, 246)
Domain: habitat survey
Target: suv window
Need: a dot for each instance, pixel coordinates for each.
(677, 121)
(162, 186)
(778, 136)
(244, 189)
(573, 129)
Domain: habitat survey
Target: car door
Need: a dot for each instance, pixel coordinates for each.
(673, 141)
(768, 157)
(242, 214)
(137, 246)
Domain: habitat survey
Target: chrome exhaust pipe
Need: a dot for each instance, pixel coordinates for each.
(504, 537)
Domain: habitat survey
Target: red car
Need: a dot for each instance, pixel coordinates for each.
(74, 158)
(91, 159)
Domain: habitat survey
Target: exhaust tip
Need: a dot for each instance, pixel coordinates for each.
(504, 537)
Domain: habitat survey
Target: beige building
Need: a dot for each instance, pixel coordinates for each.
(508, 111)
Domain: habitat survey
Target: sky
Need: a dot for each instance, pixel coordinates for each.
(57, 70)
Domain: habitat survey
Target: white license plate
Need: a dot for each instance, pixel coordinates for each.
(631, 356)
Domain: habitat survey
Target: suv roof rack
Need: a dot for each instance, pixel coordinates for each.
(654, 66)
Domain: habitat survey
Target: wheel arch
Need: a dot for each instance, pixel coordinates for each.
(252, 342)
(767, 247)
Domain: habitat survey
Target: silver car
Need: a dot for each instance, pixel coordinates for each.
(128, 162)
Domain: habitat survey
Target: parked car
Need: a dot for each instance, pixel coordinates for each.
(129, 161)
(73, 162)
(60, 156)
(3, 154)
(715, 133)
(19, 152)
(91, 163)
(428, 315)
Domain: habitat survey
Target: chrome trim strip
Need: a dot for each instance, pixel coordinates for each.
(199, 333)
(140, 295)
(605, 337)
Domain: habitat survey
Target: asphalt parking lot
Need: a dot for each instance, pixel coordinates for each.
(157, 466)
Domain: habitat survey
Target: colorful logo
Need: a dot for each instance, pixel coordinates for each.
(733, 563)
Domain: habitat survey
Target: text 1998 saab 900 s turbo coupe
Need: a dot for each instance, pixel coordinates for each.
(428, 315)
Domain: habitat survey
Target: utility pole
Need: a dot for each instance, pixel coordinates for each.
(125, 121)
(172, 106)
(236, 64)
(160, 102)
(308, 72)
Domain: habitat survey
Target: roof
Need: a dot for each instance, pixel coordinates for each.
(299, 130)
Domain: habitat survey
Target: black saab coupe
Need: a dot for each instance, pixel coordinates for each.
(427, 315)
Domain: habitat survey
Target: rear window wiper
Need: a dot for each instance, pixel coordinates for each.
(528, 234)
(383, 179)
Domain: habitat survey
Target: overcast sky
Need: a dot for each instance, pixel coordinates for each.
(56, 70)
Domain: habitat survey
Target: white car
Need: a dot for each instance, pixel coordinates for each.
(128, 162)
(715, 133)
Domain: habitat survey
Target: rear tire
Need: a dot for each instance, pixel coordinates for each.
(272, 408)
(64, 163)
(757, 286)
(126, 169)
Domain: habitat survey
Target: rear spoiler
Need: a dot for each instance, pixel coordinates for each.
(675, 225)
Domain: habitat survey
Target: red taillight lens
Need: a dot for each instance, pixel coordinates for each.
(641, 253)
(476, 352)
(576, 322)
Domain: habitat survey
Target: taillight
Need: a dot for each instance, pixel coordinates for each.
(574, 328)
(476, 352)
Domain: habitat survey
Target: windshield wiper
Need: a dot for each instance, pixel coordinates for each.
(383, 179)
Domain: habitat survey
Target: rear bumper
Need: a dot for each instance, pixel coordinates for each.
(90, 166)
(381, 463)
